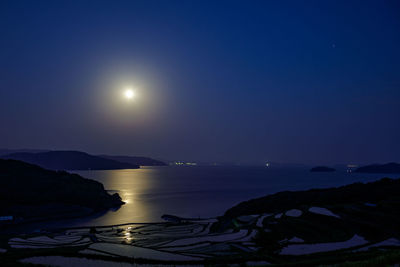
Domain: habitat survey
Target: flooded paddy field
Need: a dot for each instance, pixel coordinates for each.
(187, 243)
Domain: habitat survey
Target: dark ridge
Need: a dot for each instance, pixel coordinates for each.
(140, 161)
(380, 168)
(384, 189)
(4, 151)
(69, 160)
(23, 186)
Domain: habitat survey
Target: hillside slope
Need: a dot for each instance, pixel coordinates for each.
(26, 190)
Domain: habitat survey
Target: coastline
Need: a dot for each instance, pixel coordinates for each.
(319, 231)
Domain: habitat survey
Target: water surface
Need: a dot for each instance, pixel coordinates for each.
(201, 191)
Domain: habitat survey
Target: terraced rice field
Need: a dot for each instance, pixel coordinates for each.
(190, 241)
(276, 237)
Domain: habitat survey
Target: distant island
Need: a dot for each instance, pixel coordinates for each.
(70, 160)
(140, 161)
(322, 169)
(380, 168)
(29, 192)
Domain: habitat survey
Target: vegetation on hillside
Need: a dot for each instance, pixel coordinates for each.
(23, 186)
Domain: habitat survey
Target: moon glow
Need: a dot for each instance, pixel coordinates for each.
(129, 93)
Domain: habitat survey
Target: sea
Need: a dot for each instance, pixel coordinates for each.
(198, 191)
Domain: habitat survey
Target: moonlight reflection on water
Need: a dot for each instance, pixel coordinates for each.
(150, 192)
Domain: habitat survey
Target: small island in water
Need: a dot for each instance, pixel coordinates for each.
(322, 169)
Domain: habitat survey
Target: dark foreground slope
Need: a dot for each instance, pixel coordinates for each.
(326, 223)
(28, 191)
(386, 189)
(141, 161)
(69, 160)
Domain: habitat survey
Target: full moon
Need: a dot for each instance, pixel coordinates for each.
(129, 94)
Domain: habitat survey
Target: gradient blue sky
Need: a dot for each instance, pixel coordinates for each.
(242, 81)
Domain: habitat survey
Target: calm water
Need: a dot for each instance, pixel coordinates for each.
(197, 191)
(201, 191)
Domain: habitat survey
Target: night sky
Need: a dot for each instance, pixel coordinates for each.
(238, 81)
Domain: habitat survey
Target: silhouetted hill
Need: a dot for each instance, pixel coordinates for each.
(380, 168)
(384, 189)
(319, 217)
(69, 160)
(28, 191)
(141, 161)
(322, 169)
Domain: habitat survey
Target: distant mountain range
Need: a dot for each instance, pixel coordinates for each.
(380, 168)
(11, 151)
(141, 161)
(69, 160)
(77, 160)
